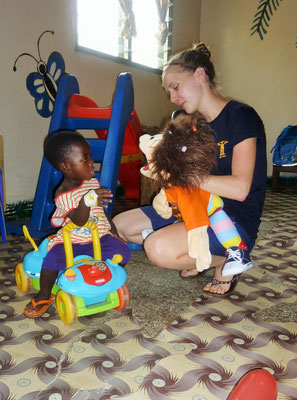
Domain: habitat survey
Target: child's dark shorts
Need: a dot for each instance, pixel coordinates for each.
(56, 260)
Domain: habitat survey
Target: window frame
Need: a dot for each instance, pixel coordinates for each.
(120, 60)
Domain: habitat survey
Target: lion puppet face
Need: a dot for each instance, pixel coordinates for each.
(183, 155)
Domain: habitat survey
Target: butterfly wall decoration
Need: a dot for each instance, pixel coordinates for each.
(43, 84)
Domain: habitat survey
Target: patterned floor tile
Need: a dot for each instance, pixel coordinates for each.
(200, 356)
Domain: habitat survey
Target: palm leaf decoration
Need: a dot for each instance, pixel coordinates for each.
(262, 17)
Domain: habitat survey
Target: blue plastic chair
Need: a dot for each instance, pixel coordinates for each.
(105, 151)
(2, 219)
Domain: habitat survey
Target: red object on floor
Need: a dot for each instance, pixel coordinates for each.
(129, 175)
(257, 384)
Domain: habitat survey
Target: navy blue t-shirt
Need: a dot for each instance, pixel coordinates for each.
(235, 123)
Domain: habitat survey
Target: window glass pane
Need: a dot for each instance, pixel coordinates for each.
(145, 47)
(98, 25)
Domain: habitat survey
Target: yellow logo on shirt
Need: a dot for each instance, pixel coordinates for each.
(222, 148)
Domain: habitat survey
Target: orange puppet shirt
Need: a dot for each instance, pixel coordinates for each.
(192, 204)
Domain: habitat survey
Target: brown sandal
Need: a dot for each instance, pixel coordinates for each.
(39, 307)
(233, 282)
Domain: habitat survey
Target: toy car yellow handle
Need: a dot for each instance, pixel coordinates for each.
(68, 245)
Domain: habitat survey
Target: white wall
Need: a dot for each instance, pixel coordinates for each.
(260, 73)
(23, 130)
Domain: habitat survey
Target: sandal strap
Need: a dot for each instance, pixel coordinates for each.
(216, 282)
(41, 302)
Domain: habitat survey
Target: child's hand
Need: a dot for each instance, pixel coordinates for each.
(104, 196)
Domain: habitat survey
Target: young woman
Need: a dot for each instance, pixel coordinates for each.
(239, 177)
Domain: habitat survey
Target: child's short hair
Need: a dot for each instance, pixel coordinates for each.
(186, 154)
(57, 146)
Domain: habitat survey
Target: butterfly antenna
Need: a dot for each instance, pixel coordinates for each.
(52, 32)
(23, 54)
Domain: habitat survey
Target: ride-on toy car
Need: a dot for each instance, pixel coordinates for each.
(87, 285)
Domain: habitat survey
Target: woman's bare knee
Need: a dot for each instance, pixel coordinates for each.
(167, 247)
(121, 225)
(130, 224)
(153, 249)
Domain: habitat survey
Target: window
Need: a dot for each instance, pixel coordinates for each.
(99, 26)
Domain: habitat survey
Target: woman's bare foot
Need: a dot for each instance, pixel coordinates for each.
(219, 284)
(188, 273)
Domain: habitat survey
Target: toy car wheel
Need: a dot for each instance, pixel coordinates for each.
(23, 281)
(66, 306)
(124, 297)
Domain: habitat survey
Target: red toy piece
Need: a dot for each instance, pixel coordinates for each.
(95, 275)
(257, 384)
(129, 175)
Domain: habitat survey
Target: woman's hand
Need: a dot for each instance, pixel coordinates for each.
(237, 185)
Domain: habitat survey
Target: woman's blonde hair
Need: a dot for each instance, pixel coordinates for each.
(191, 59)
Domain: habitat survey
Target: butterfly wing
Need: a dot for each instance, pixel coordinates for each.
(44, 87)
(56, 66)
(43, 104)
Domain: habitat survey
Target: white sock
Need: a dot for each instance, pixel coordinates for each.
(146, 232)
